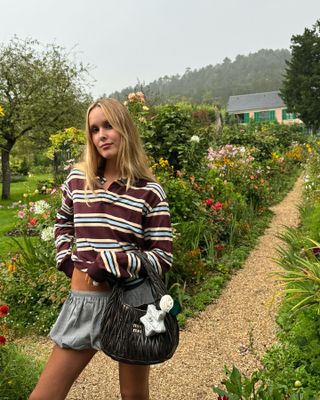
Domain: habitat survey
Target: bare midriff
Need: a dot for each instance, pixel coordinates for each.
(81, 281)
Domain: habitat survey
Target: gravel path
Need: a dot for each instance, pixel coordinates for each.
(222, 335)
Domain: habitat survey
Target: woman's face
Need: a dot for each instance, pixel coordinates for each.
(105, 138)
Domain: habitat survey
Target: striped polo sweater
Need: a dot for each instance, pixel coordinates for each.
(99, 231)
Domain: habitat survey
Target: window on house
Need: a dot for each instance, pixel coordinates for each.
(286, 115)
(262, 116)
(243, 118)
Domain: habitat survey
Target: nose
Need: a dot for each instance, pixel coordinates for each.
(102, 133)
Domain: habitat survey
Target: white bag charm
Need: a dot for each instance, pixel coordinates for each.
(153, 320)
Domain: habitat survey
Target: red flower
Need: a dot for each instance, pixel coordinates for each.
(209, 202)
(224, 397)
(2, 340)
(33, 221)
(219, 247)
(217, 206)
(4, 310)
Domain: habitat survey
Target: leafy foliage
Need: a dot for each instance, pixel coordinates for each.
(41, 91)
(34, 289)
(18, 373)
(301, 85)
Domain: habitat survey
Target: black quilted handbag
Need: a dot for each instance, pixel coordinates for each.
(124, 336)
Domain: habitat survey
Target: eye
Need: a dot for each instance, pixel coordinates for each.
(107, 125)
(94, 129)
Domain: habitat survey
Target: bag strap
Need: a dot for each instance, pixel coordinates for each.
(155, 278)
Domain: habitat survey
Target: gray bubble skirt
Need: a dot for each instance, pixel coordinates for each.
(78, 325)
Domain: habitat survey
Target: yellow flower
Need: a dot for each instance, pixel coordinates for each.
(163, 163)
(1, 111)
(145, 108)
(11, 267)
(142, 120)
(194, 253)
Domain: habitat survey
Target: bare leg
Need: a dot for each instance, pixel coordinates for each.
(134, 381)
(62, 369)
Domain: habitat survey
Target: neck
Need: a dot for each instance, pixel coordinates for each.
(112, 171)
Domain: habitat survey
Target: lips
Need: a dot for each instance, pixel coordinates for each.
(106, 146)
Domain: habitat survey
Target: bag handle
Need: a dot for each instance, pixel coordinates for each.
(157, 285)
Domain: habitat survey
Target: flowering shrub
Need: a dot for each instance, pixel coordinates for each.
(297, 152)
(230, 161)
(34, 288)
(18, 374)
(139, 111)
(170, 132)
(37, 218)
(237, 165)
(4, 311)
(29, 280)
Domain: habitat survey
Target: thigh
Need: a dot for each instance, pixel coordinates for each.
(134, 381)
(61, 370)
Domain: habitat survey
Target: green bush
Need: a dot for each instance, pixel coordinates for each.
(18, 373)
(173, 135)
(297, 356)
(33, 288)
(19, 167)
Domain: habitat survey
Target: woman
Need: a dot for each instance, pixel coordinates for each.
(112, 206)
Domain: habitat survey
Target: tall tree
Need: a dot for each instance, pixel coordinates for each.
(301, 84)
(41, 91)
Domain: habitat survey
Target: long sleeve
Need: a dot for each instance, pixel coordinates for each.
(64, 232)
(157, 246)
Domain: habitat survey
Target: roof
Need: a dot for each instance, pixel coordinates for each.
(255, 101)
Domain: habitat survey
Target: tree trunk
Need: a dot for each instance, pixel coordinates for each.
(55, 168)
(6, 175)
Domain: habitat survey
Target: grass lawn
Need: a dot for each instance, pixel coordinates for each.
(8, 210)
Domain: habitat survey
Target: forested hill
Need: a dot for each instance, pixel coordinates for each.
(256, 72)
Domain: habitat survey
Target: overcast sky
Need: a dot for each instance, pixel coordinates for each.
(129, 40)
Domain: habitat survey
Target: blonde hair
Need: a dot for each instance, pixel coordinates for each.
(131, 161)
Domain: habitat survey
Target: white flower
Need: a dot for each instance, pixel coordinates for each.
(166, 303)
(47, 234)
(40, 207)
(195, 139)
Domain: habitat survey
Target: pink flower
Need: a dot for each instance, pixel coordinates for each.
(21, 214)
